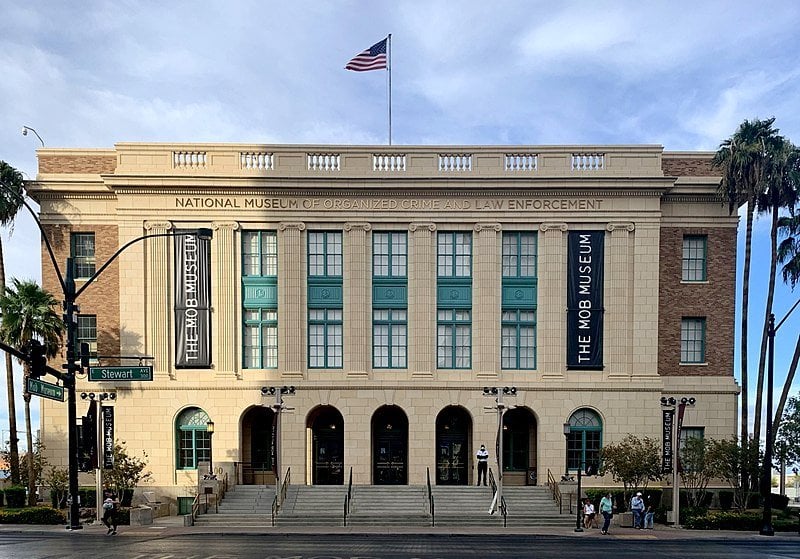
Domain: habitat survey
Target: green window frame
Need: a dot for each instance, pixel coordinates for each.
(87, 334)
(325, 339)
(325, 254)
(454, 255)
(693, 340)
(585, 439)
(389, 338)
(520, 253)
(260, 254)
(260, 339)
(82, 251)
(694, 258)
(389, 255)
(454, 339)
(518, 339)
(193, 441)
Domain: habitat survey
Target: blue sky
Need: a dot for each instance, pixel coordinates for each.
(679, 74)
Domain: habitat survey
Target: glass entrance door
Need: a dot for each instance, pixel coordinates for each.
(451, 465)
(327, 428)
(389, 446)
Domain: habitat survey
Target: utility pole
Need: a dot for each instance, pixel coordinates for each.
(278, 407)
(501, 408)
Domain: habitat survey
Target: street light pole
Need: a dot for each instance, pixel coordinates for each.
(501, 408)
(766, 482)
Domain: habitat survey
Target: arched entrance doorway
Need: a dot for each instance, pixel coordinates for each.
(389, 446)
(519, 447)
(327, 446)
(453, 426)
(258, 447)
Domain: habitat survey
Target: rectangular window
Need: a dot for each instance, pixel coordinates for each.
(583, 447)
(693, 340)
(389, 255)
(324, 254)
(389, 338)
(325, 342)
(519, 255)
(693, 266)
(454, 339)
(260, 338)
(259, 253)
(454, 255)
(518, 345)
(82, 253)
(194, 445)
(87, 334)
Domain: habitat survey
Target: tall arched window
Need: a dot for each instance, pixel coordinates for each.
(193, 438)
(584, 439)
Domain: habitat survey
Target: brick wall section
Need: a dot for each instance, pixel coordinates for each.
(77, 164)
(688, 167)
(713, 300)
(102, 297)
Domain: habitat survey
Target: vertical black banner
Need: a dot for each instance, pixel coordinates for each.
(585, 299)
(192, 302)
(681, 411)
(668, 416)
(108, 436)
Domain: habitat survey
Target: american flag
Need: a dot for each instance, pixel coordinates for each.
(373, 58)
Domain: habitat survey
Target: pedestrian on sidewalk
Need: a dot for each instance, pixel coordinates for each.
(588, 514)
(637, 508)
(483, 464)
(110, 512)
(607, 510)
(649, 513)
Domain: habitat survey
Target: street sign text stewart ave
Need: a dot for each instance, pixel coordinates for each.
(121, 373)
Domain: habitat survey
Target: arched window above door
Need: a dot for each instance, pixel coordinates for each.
(193, 440)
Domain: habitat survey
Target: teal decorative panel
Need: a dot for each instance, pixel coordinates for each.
(519, 297)
(390, 295)
(325, 295)
(454, 296)
(260, 292)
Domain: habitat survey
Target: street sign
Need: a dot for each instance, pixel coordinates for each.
(45, 389)
(121, 373)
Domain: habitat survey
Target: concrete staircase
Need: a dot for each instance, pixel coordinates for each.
(243, 506)
(313, 505)
(389, 505)
(534, 506)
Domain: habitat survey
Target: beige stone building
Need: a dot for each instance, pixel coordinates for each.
(389, 286)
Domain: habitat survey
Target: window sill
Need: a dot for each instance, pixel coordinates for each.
(703, 364)
(695, 282)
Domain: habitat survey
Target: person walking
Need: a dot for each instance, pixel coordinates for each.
(649, 513)
(110, 513)
(607, 510)
(637, 508)
(483, 464)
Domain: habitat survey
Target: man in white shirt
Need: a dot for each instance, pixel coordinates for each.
(483, 464)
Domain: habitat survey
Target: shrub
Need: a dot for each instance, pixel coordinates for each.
(754, 500)
(15, 495)
(88, 496)
(780, 502)
(32, 515)
(745, 521)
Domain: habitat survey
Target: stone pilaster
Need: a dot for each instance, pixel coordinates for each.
(357, 300)
(618, 299)
(227, 308)
(291, 300)
(486, 294)
(552, 301)
(159, 299)
(421, 300)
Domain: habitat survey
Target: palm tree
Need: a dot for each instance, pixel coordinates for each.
(789, 256)
(741, 159)
(11, 192)
(28, 313)
(780, 193)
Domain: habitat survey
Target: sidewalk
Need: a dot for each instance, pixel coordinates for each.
(172, 526)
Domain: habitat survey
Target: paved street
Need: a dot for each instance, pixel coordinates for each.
(170, 540)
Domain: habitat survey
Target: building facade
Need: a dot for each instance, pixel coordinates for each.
(390, 287)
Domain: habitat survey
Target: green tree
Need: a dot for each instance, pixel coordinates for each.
(128, 471)
(780, 194)
(633, 461)
(11, 196)
(736, 462)
(57, 480)
(742, 161)
(697, 461)
(788, 435)
(28, 313)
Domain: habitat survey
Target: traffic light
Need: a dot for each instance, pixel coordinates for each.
(87, 440)
(37, 358)
(84, 355)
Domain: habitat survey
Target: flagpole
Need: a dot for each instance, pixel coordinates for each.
(389, 66)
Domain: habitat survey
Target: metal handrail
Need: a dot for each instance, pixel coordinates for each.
(195, 508)
(431, 508)
(555, 490)
(274, 508)
(348, 497)
(257, 471)
(502, 504)
(280, 494)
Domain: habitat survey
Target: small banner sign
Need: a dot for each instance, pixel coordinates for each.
(45, 389)
(108, 437)
(585, 299)
(192, 302)
(668, 416)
